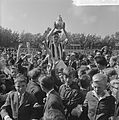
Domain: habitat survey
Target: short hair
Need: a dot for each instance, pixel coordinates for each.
(113, 82)
(99, 77)
(69, 71)
(34, 73)
(85, 81)
(57, 32)
(20, 78)
(101, 60)
(47, 82)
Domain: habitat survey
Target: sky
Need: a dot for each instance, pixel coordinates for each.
(80, 16)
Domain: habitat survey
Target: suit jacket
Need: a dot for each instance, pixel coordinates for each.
(53, 101)
(23, 111)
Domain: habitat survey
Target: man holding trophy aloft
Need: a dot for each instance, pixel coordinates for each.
(54, 39)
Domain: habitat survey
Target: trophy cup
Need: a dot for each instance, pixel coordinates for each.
(59, 23)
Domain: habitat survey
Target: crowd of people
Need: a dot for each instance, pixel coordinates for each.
(54, 85)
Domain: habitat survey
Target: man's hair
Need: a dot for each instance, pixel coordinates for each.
(85, 81)
(20, 78)
(34, 73)
(101, 60)
(47, 82)
(99, 77)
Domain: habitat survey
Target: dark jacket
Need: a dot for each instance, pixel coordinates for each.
(99, 109)
(53, 101)
(71, 97)
(24, 111)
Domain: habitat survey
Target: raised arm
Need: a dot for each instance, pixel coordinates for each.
(18, 51)
(66, 34)
(28, 47)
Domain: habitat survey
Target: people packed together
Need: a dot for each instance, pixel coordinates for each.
(52, 84)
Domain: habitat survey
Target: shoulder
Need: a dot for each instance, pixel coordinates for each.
(62, 86)
(89, 94)
(111, 98)
(11, 93)
(54, 95)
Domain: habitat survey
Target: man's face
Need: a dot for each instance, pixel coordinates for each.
(56, 38)
(20, 87)
(115, 90)
(99, 87)
(111, 62)
(68, 79)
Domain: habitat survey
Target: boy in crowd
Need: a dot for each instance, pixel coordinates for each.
(99, 102)
(20, 105)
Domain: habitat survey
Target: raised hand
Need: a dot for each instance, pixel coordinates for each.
(46, 32)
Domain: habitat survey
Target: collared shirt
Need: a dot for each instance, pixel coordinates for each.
(101, 97)
(49, 92)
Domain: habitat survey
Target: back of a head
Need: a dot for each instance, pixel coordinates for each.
(101, 60)
(85, 81)
(47, 82)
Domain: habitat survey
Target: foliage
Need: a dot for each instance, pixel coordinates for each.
(9, 38)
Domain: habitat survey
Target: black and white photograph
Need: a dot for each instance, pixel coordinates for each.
(59, 59)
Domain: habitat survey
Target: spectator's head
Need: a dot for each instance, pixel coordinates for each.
(72, 56)
(34, 74)
(2, 78)
(99, 83)
(46, 83)
(113, 61)
(114, 84)
(111, 73)
(69, 74)
(85, 81)
(98, 53)
(20, 83)
(100, 61)
(82, 71)
(107, 57)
